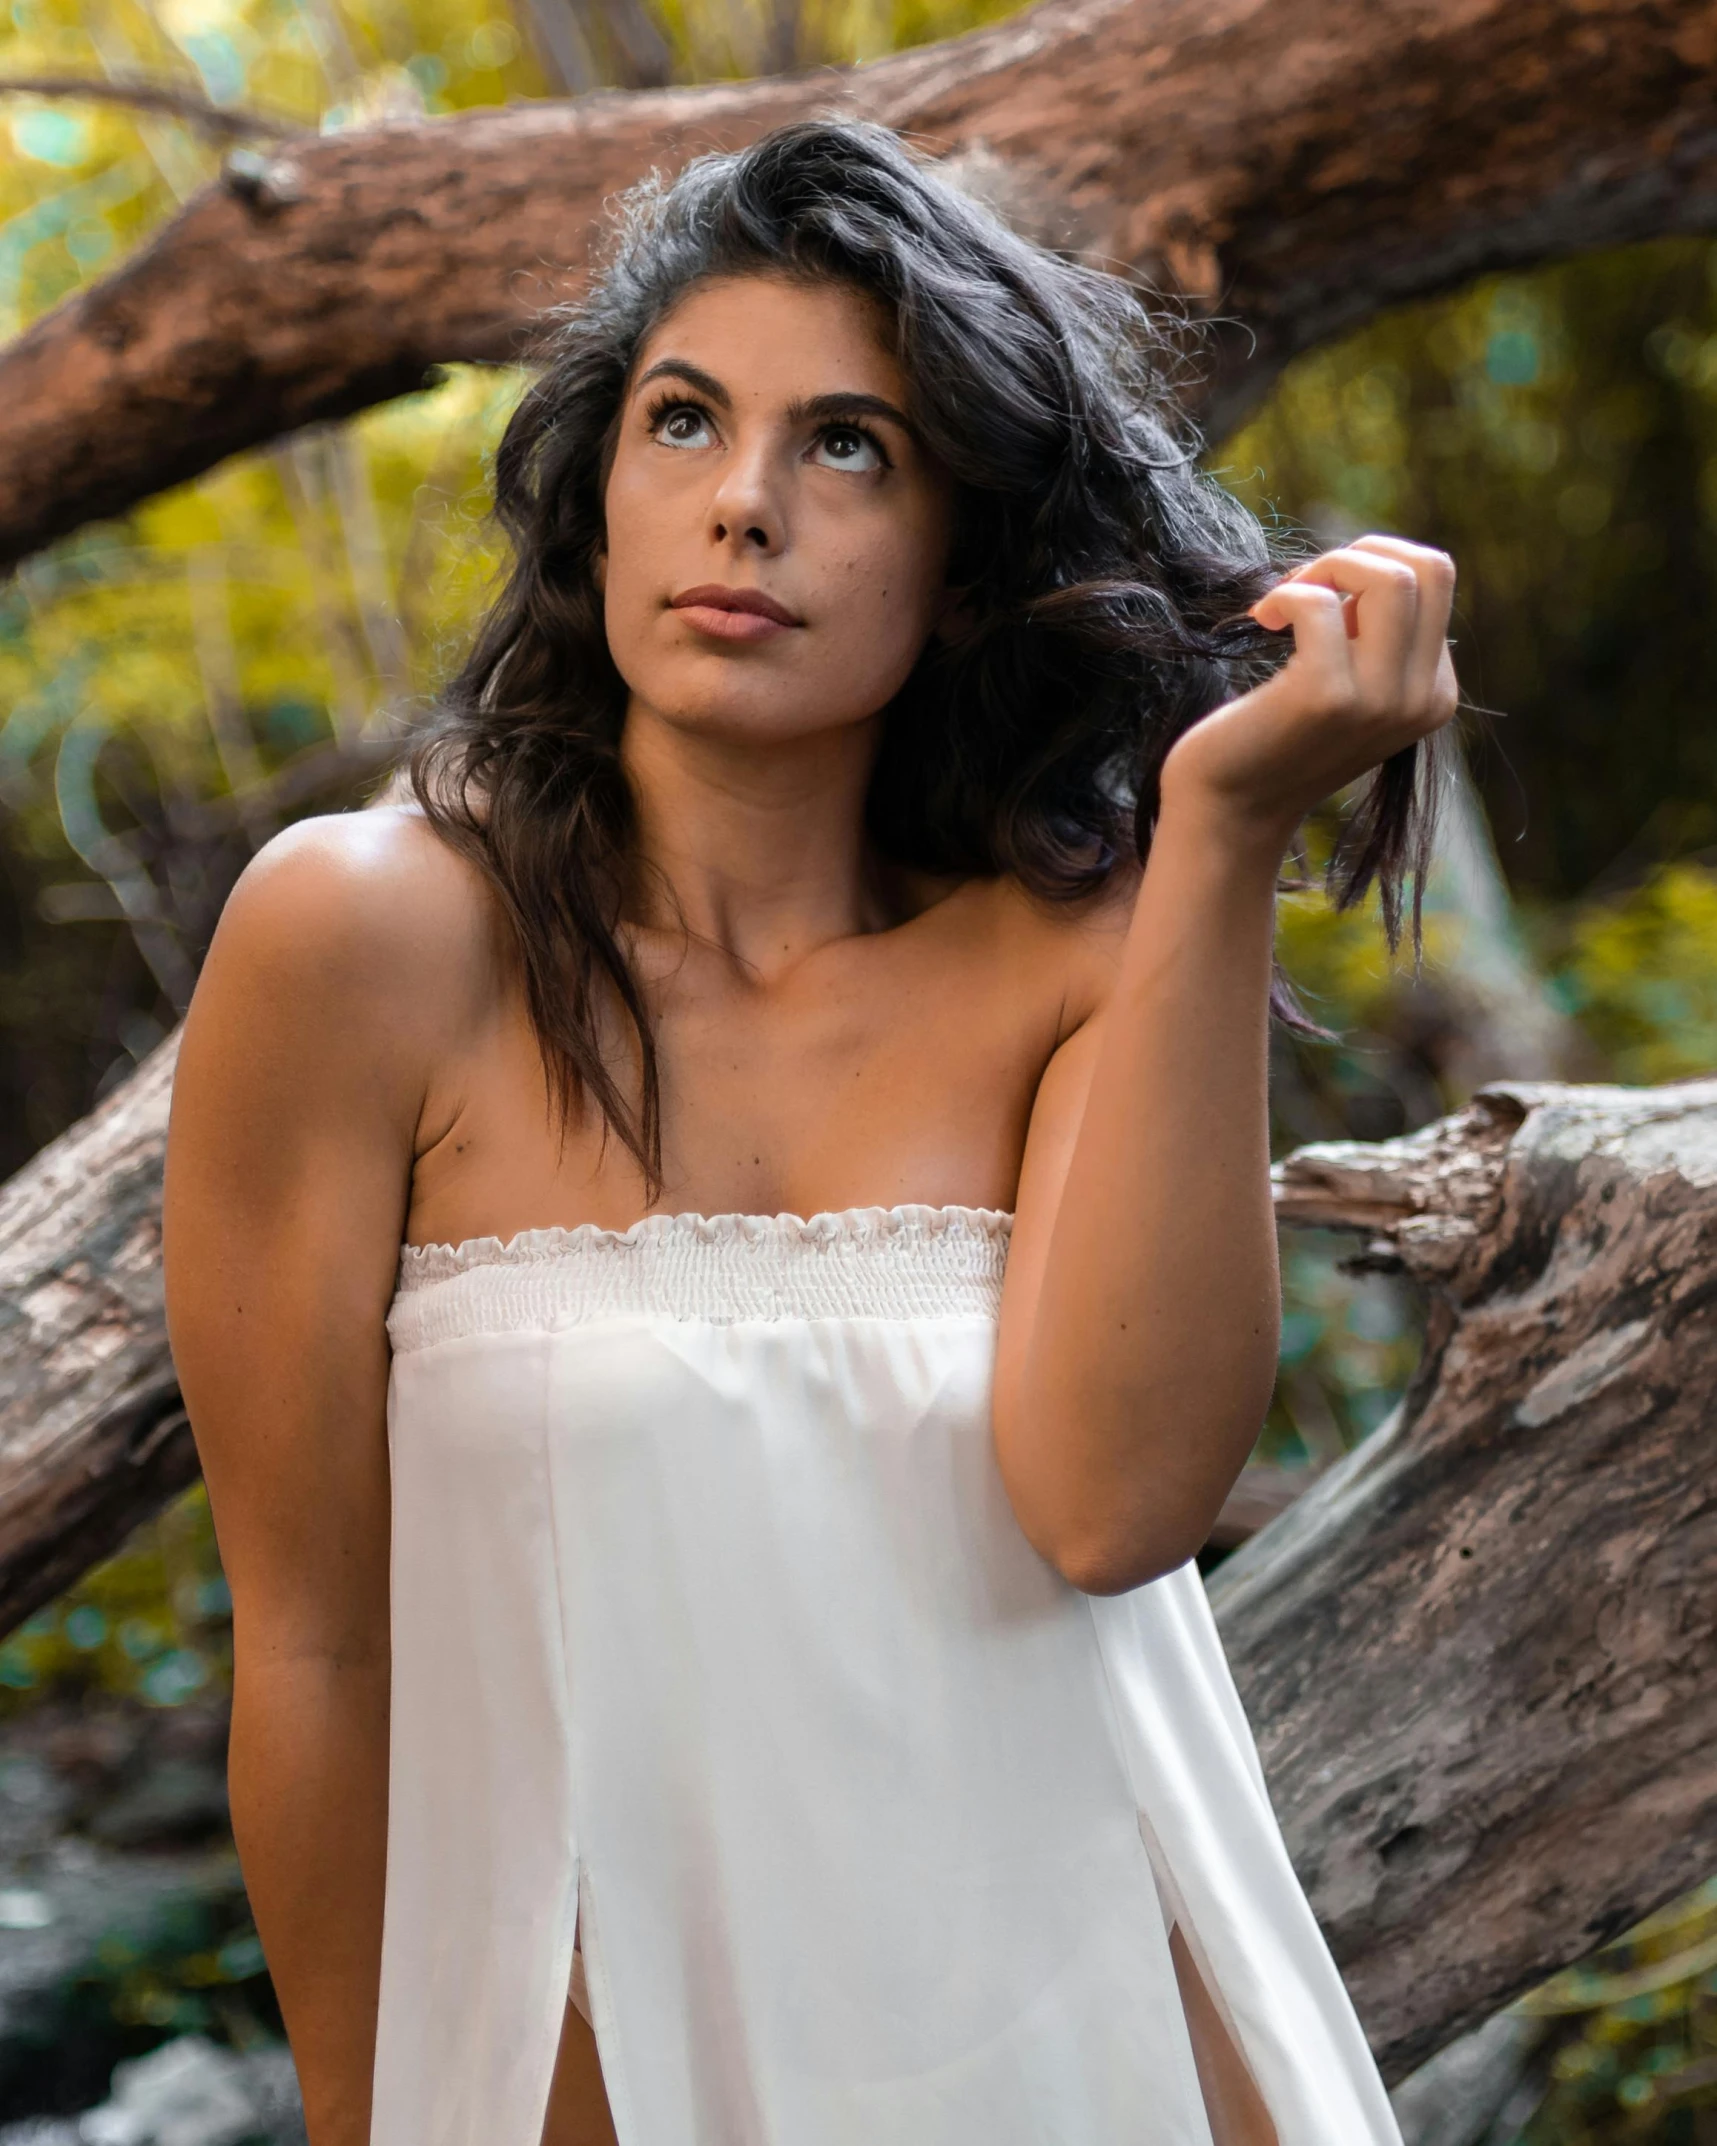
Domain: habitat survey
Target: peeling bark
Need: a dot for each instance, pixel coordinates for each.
(93, 1438)
(1480, 1654)
(1294, 166)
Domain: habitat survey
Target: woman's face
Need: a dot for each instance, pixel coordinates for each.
(764, 455)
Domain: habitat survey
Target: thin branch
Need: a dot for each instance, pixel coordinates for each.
(223, 122)
(303, 468)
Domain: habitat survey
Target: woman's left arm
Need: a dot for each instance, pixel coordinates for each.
(1141, 1312)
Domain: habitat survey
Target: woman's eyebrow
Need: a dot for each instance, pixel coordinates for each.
(693, 375)
(820, 408)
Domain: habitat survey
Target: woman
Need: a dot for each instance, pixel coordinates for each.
(864, 804)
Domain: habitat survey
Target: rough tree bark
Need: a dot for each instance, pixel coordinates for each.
(92, 1436)
(1479, 1654)
(1295, 163)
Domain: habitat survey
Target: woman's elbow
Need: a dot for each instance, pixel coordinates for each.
(1103, 1552)
(1101, 1564)
(1103, 1531)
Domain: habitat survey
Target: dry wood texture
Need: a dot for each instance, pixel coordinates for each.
(92, 1434)
(1480, 1654)
(1296, 164)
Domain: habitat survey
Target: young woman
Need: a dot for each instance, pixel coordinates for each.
(845, 870)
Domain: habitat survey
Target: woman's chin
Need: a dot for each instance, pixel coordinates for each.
(741, 721)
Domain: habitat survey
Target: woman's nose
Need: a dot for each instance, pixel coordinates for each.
(747, 512)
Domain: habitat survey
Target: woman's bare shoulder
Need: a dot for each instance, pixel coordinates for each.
(371, 910)
(1070, 949)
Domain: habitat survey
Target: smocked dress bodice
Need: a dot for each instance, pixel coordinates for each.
(717, 1646)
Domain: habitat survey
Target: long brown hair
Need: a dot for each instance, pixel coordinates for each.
(1107, 580)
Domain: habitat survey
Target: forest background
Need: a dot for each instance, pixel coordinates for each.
(177, 685)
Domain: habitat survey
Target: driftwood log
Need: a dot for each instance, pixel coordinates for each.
(1293, 164)
(93, 1438)
(1480, 1654)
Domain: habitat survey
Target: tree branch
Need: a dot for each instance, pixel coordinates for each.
(1297, 166)
(138, 93)
(1480, 1654)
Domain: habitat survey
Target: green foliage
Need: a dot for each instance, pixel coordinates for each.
(1377, 1072)
(1635, 2052)
(1639, 971)
(307, 586)
(170, 688)
(1557, 433)
(194, 1965)
(84, 182)
(153, 1624)
(1349, 1346)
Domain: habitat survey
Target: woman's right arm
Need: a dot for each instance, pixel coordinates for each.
(300, 1086)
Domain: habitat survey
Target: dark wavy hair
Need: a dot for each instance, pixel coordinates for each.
(1105, 576)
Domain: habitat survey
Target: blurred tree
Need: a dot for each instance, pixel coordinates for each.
(1633, 2049)
(1557, 433)
(177, 686)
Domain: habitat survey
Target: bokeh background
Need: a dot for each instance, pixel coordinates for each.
(176, 686)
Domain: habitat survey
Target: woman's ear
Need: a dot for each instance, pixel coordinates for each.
(599, 570)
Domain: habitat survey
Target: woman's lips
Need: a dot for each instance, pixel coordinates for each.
(730, 625)
(734, 614)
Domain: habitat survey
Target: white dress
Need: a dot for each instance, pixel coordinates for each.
(717, 1643)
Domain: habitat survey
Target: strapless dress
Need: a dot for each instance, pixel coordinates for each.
(718, 1649)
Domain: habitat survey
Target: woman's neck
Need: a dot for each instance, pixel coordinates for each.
(762, 846)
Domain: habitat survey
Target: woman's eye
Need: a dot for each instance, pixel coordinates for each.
(683, 426)
(846, 447)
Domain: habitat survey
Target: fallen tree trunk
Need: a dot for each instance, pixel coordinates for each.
(1297, 165)
(92, 1435)
(1480, 1654)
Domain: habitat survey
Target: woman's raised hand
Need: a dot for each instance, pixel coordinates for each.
(1370, 674)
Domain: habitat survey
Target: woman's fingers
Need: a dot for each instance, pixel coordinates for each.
(1323, 652)
(1431, 671)
(1370, 674)
(1398, 600)
(1382, 612)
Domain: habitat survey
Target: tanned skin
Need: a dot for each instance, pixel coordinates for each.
(358, 1070)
